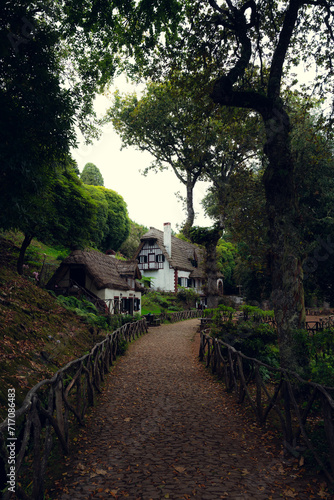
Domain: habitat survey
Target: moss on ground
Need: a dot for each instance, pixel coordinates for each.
(37, 335)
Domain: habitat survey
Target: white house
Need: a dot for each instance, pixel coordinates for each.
(171, 261)
(101, 277)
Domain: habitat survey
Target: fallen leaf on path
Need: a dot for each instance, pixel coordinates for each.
(290, 494)
(178, 468)
(101, 471)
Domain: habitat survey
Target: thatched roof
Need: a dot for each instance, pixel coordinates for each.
(183, 253)
(104, 270)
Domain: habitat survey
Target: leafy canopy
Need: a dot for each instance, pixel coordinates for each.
(91, 175)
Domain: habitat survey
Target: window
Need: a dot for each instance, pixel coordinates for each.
(77, 276)
(160, 258)
(116, 305)
(183, 282)
(131, 282)
(142, 259)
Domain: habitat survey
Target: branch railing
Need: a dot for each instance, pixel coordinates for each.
(49, 409)
(300, 407)
(174, 317)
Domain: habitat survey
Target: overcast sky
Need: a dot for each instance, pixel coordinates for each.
(151, 200)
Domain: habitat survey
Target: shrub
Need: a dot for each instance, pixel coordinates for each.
(187, 296)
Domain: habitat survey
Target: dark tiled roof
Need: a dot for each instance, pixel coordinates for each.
(183, 253)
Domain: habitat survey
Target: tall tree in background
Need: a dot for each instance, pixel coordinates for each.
(118, 222)
(91, 175)
(175, 128)
(248, 49)
(131, 244)
(63, 214)
(54, 58)
(36, 119)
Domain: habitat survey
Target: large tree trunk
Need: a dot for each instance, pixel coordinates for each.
(209, 237)
(211, 274)
(286, 268)
(190, 208)
(26, 242)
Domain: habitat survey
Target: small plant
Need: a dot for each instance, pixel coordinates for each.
(187, 296)
(121, 347)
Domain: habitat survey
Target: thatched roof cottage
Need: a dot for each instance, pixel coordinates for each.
(102, 276)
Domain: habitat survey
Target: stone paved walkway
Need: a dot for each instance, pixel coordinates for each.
(164, 428)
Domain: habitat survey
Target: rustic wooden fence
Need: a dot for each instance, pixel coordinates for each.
(182, 315)
(318, 326)
(43, 422)
(300, 408)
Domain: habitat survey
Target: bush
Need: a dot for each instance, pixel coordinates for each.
(187, 296)
(315, 353)
(255, 313)
(121, 347)
(86, 310)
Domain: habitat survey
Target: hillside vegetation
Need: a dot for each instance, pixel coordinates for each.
(37, 334)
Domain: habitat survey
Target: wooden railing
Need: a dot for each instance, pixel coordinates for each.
(44, 420)
(182, 315)
(300, 407)
(318, 326)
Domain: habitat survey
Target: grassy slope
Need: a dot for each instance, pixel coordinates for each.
(37, 336)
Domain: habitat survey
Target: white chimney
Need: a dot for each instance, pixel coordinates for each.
(168, 237)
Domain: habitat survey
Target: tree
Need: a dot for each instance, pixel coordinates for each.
(248, 49)
(36, 126)
(63, 214)
(118, 222)
(112, 224)
(178, 128)
(91, 175)
(209, 237)
(101, 222)
(131, 244)
(227, 254)
(54, 59)
(314, 159)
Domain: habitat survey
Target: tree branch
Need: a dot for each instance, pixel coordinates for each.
(222, 94)
(276, 70)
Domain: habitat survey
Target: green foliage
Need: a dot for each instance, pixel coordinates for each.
(91, 175)
(146, 281)
(226, 261)
(122, 347)
(222, 311)
(156, 302)
(205, 235)
(316, 354)
(100, 228)
(118, 222)
(187, 296)
(111, 224)
(131, 244)
(86, 310)
(253, 340)
(36, 121)
(72, 213)
(255, 314)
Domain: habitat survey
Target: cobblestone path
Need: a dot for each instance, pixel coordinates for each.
(164, 428)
